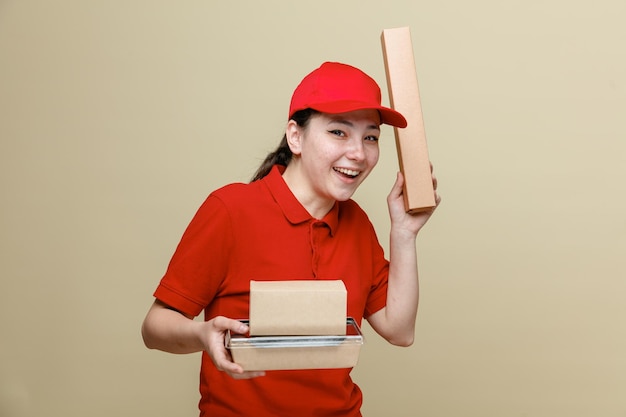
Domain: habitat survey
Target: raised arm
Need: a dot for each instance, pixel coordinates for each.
(396, 321)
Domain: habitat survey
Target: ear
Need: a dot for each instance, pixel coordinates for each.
(293, 132)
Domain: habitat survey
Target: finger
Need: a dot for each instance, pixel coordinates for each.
(224, 362)
(223, 324)
(399, 180)
(396, 190)
(248, 375)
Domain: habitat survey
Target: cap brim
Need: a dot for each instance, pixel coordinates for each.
(388, 116)
(392, 117)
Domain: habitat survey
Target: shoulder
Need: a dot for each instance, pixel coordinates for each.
(238, 192)
(238, 201)
(224, 208)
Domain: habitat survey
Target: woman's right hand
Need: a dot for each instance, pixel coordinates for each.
(169, 330)
(215, 334)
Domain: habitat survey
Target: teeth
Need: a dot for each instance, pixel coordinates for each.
(349, 172)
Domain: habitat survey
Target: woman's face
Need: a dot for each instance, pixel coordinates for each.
(337, 152)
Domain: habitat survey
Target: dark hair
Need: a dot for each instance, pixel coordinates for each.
(282, 155)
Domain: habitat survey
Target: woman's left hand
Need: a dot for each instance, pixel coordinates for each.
(400, 219)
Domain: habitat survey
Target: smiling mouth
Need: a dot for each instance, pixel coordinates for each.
(350, 173)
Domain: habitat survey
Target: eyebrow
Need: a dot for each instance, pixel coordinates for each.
(350, 124)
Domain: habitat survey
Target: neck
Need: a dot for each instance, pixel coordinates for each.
(300, 187)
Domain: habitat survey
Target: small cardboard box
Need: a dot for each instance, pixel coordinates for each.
(305, 307)
(268, 353)
(404, 97)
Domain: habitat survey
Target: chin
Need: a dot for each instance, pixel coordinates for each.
(343, 196)
(343, 192)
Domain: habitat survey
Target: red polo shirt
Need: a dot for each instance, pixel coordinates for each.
(260, 231)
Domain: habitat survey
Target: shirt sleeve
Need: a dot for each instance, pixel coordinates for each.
(200, 261)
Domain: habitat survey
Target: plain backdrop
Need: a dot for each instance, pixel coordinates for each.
(117, 118)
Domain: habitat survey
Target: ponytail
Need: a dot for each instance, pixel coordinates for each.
(282, 155)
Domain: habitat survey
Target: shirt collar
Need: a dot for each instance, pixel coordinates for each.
(293, 210)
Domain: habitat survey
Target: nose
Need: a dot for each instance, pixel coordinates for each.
(356, 150)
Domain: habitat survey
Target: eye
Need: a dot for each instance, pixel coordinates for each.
(337, 132)
(372, 138)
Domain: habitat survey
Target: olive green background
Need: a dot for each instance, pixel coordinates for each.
(117, 118)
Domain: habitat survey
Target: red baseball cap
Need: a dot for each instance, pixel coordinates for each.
(339, 88)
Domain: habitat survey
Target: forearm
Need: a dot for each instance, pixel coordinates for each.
(403, 288)
(396, 322)
(170, 331)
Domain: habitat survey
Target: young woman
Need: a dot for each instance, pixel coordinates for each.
(295, 220)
